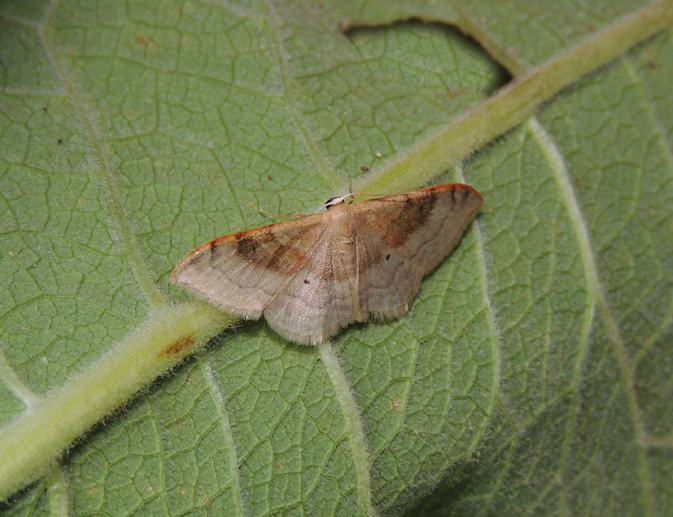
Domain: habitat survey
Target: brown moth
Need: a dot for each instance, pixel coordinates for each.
(313, 275)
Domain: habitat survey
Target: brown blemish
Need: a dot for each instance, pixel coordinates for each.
(141, 41)
(178, 346)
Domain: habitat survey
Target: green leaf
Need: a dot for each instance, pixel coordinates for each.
(533, 371)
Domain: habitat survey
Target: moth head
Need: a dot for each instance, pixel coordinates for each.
(333, 201)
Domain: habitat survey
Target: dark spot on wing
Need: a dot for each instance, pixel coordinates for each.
(410, 217)
(388, 256)
(306, 281)
(261, 248)
(193, 260)
(246, 247)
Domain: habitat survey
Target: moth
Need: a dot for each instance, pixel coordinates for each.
(311, 276)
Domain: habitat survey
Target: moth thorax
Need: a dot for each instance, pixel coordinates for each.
(341, 221)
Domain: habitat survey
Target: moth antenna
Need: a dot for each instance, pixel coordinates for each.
(372, 195)
(280, 216)
(337, 200)
(350, 192)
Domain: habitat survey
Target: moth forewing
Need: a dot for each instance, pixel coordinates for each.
(316, 274)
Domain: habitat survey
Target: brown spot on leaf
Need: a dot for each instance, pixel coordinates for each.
(178, 346)
(141, 41)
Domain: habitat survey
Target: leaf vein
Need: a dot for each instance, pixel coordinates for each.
(596, 291)
(99, 152)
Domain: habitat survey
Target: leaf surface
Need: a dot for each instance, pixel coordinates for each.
(533, 371)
